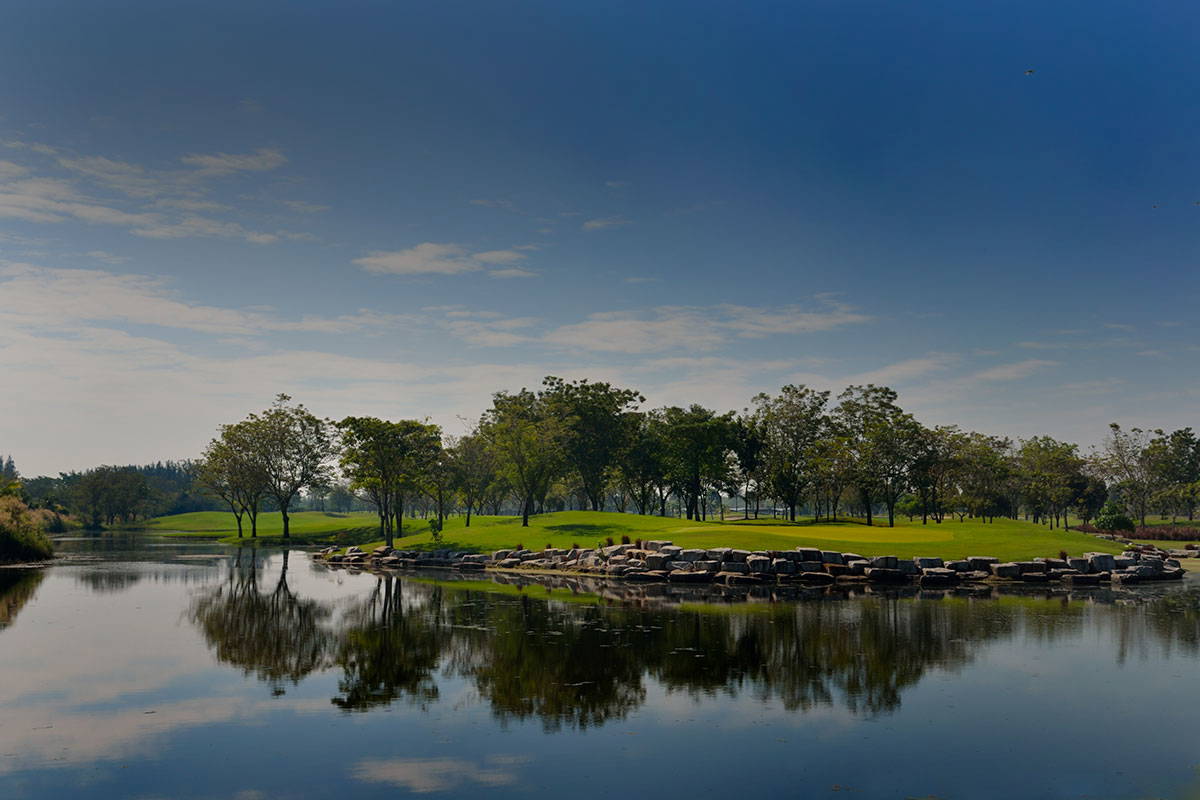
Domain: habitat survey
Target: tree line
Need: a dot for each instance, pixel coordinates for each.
(589, 445)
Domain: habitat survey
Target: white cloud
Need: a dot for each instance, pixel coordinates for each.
(1014, 371)
(195, 225)
(665, 328)
(427, 258)
(39, 296)
(106, 257)
(222, 163)
(601, 223)
(425, 775)
(305, 208)
(499, 256)
(433, 258)
(10, 170)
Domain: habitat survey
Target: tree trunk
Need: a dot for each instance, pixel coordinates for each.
(525, 511)
(286, 529)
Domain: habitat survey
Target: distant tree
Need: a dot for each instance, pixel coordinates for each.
(748, 448)
(341, 499)
(293, 449)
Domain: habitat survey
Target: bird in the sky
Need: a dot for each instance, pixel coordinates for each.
(1028, 72)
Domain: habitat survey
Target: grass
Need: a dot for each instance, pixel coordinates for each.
(306, 527)
(1005, 539)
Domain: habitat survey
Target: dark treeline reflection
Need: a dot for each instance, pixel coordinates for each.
(581, 664)
(17, 587)
(270, 633)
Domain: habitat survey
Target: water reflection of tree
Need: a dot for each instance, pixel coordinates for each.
(561, 664)
(388, 651)
(108, 581)
(581, 665)
(17, 587)
(276, 636)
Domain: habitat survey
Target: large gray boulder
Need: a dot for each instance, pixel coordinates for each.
(832, 557)
(692, 555)
(758, 564)
(884, 562)
(928, 562)
(658, 560)
(1006, 570)
(982, 563)
(737, 555)
(783, 566)
(1101, 562)
(809, 553)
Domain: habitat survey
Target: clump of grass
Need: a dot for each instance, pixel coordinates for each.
(575, 546)
(520, 546)
(1062, 555)
(625, 540)
(638, 544)
(609, 541)
(548, 546)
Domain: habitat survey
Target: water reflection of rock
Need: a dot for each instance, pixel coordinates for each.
(17, 587)
(274, 635)
(580, 664)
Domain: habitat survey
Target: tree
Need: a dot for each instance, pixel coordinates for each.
(698, 445)
(1051, 474)
(594, 428)
(293, 449)
(789, 426)
(527, 441)
(864, 414)
(641, 469)
(1126, 460)
(473, 468)
(231, 471)
(748, 447)
(387, 460)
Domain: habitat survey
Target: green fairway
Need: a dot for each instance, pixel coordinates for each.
(1005, 539)
(306, 526)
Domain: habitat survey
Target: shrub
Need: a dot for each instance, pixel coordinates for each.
(1062, 555)
(1112, 518)
(575, 546)
(1189, 547)
(520, 546)
(624, 540)
(22, 536)
(1174, 533)
(609, 540)
(638, 543)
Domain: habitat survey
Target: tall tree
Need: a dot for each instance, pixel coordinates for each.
(594, 426)
(528, 442)
(698, 449)
(789, 426)
(473, 466)
(293, 448)
(230, 470)
(1126, 460)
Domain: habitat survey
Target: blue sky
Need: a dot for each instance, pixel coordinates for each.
(398, 208)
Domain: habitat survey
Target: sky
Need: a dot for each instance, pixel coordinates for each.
(399, 208)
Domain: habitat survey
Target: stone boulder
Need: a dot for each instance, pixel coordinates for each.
(982, 563)
(1006, 570)
(927, 563)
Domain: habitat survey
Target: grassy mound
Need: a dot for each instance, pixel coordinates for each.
(1005, 539)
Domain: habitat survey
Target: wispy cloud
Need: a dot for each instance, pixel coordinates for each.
(37, 296)
(602, 223)
(433, 258)
(426, 775)
(1015, 371)
(223, 163)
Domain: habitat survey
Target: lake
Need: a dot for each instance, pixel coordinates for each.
(155, 668)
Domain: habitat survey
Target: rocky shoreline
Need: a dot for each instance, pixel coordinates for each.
(665, 562)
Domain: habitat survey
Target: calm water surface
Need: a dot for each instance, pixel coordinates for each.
(154, 669)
